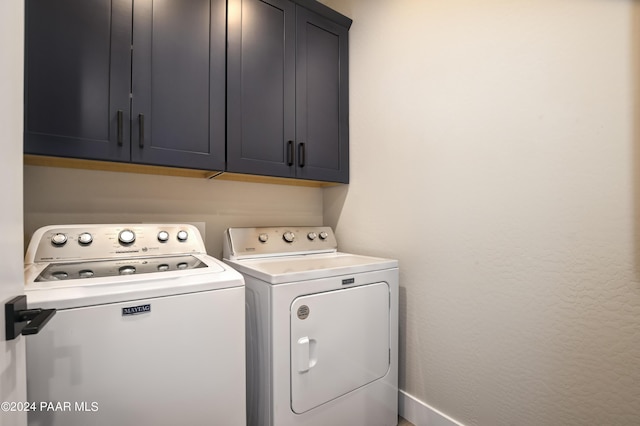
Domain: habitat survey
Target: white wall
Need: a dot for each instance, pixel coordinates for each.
(13, 381)
(59, 196)
(495, 151)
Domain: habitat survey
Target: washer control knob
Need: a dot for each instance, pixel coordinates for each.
(127, 270)
(126, 236)
(183, 235)
(288, 236)
(323, 235)
(263, 238)
(163, 236)
(85, 238)
(86, 273)
(60, 275)
(312, 236)
(59, 240)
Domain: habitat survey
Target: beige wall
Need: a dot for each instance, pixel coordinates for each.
(59, 196)
(495, 151)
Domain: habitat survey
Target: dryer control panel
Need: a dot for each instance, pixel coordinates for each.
(247, 243)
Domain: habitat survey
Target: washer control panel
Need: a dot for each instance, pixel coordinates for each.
(263, 242)
(70, 242)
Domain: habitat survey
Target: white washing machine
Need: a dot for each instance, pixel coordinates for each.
(149, 329)
(322, 329)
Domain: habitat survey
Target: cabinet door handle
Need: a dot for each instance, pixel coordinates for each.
(141, 130)
(301, 154)
(290, 153)
(120, 123)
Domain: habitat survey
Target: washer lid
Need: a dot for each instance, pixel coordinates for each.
(206, 274)
(121, 267)
(286, 269)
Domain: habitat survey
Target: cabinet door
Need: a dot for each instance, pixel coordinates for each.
(178, 83)
(77, 78)
(261, 87)
(322, 102)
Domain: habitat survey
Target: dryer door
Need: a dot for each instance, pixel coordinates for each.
(339, 342)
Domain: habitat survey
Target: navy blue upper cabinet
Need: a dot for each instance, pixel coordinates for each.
(104, 84)
(77, 78)
(287, 95)
(178, 105)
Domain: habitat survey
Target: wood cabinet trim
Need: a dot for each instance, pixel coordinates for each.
(75, 163)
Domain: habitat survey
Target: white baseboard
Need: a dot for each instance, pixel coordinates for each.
(420, 413)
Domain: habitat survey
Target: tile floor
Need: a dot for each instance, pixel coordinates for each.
(404, 422)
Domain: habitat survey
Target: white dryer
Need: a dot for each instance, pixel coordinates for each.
(149, 329)
(322, 329)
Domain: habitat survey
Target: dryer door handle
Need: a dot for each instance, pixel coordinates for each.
(307, 354)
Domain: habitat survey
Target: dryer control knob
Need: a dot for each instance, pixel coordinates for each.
(263, 238)
(288, 236)
(183, 235)
(323, 235)
(59, 240)
(312, 236)
(126, 236)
